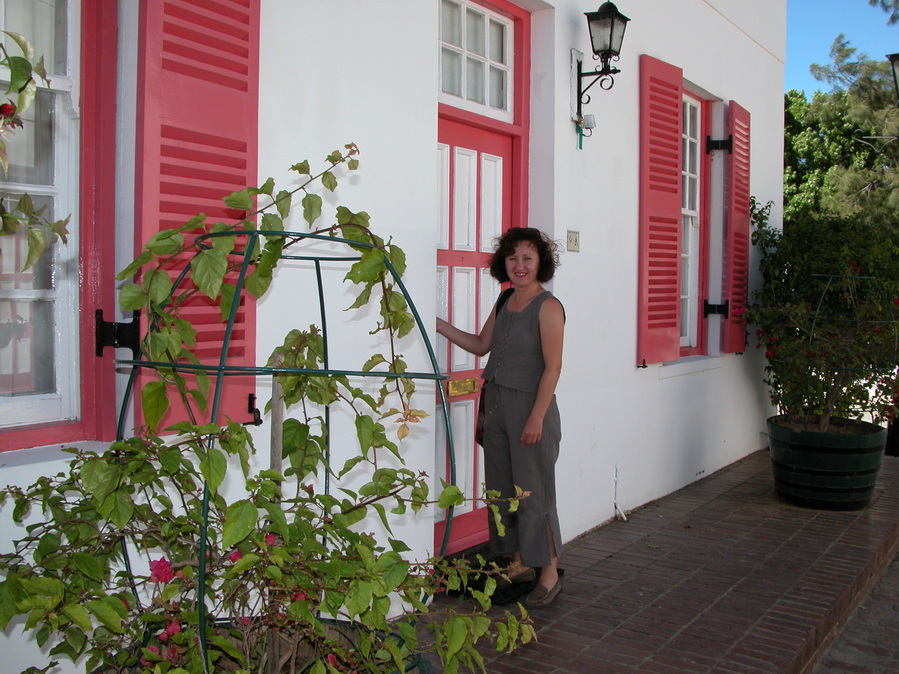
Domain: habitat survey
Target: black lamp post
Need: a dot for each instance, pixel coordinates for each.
(894, 66)
(606, 26)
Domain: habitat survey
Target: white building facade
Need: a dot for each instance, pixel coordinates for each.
(463, 112)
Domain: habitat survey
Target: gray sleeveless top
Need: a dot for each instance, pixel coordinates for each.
(516, 354)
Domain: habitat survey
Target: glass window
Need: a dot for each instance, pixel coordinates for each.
(475, 36)
(690, 250)
(38, 306)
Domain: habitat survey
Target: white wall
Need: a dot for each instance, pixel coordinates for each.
(339, 72)
(663, 426)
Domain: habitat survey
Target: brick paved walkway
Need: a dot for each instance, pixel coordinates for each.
(720, 576)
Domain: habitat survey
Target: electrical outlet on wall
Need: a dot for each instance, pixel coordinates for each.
(573, 242)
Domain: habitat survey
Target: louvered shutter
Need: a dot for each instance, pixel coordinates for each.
(736, 234)
(658, 329)
(197, 133)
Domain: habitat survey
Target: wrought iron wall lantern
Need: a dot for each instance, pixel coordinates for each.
(894, 66)
(606, 26)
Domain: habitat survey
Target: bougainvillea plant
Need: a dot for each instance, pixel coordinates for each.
(23, 218)
(177, 554)
(826, 317)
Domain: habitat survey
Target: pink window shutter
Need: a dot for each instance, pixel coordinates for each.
(736, 262)
(198, 68)
(658, 328)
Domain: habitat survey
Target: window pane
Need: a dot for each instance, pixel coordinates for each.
(476, 59)
(476, 33)
(14, 253)
(451, 72)
(26, 348)
(44, 23)
(451, 22)
(497, 42)
(30, 149)
(474, 80)
(498, 96)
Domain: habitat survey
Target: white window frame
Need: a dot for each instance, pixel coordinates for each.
(507, 65)
(64, 403)
(691, 200)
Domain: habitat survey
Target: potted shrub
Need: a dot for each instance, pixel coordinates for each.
(825, 317)
(179, 553)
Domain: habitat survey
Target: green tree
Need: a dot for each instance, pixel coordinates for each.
(889, 6)
(841, 152)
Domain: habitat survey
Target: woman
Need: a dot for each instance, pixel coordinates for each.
(522, 428)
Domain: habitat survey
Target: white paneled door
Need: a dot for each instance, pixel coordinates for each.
(475, 189)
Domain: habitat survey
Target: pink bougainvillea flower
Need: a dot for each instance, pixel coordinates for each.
(161, 571)
(331, 659)
(270, 539)
(7, 110)
(172, 628)
(144, 661)
(236, 555)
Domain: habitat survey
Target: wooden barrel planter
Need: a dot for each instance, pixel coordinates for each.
(826, 470)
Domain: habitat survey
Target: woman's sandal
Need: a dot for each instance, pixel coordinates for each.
(540, 596)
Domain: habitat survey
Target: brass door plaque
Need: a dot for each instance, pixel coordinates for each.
(461, 387)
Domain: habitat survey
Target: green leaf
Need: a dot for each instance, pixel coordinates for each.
(158, 285)
(312, 207)
(208, 271)
(329, 181)
(100, 478)
(244, 563)
(37, 242)
(377, 359)
(88, 565)
(240, 200)
(302, 168)
(368, 268)
(213, 467)
(228, 292)
(358, 598)
(78, 615)
(154, 403)
(122, 510)
(165, 242)
(19, 74)
(240, 519)
(135, 266)
(451, 496)
(283, 202)
(455, 634)
(103, 612)
(132, 297)
(23, 43)
(365, 431)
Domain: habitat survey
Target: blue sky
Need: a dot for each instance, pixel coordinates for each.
(812, 26)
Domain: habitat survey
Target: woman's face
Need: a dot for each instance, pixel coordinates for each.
(522, 265)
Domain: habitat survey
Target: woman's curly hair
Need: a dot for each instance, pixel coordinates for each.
(547, 250)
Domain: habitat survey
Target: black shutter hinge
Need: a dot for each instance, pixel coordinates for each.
(726, 144)
(118, 335)
(253, 410)
(720, 309)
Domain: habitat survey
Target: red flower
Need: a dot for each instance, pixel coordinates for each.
(270, 539)
(161, 571)
(172, 628)
(331, 659)
(144, 661)
(7, 110)
(235, 556)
